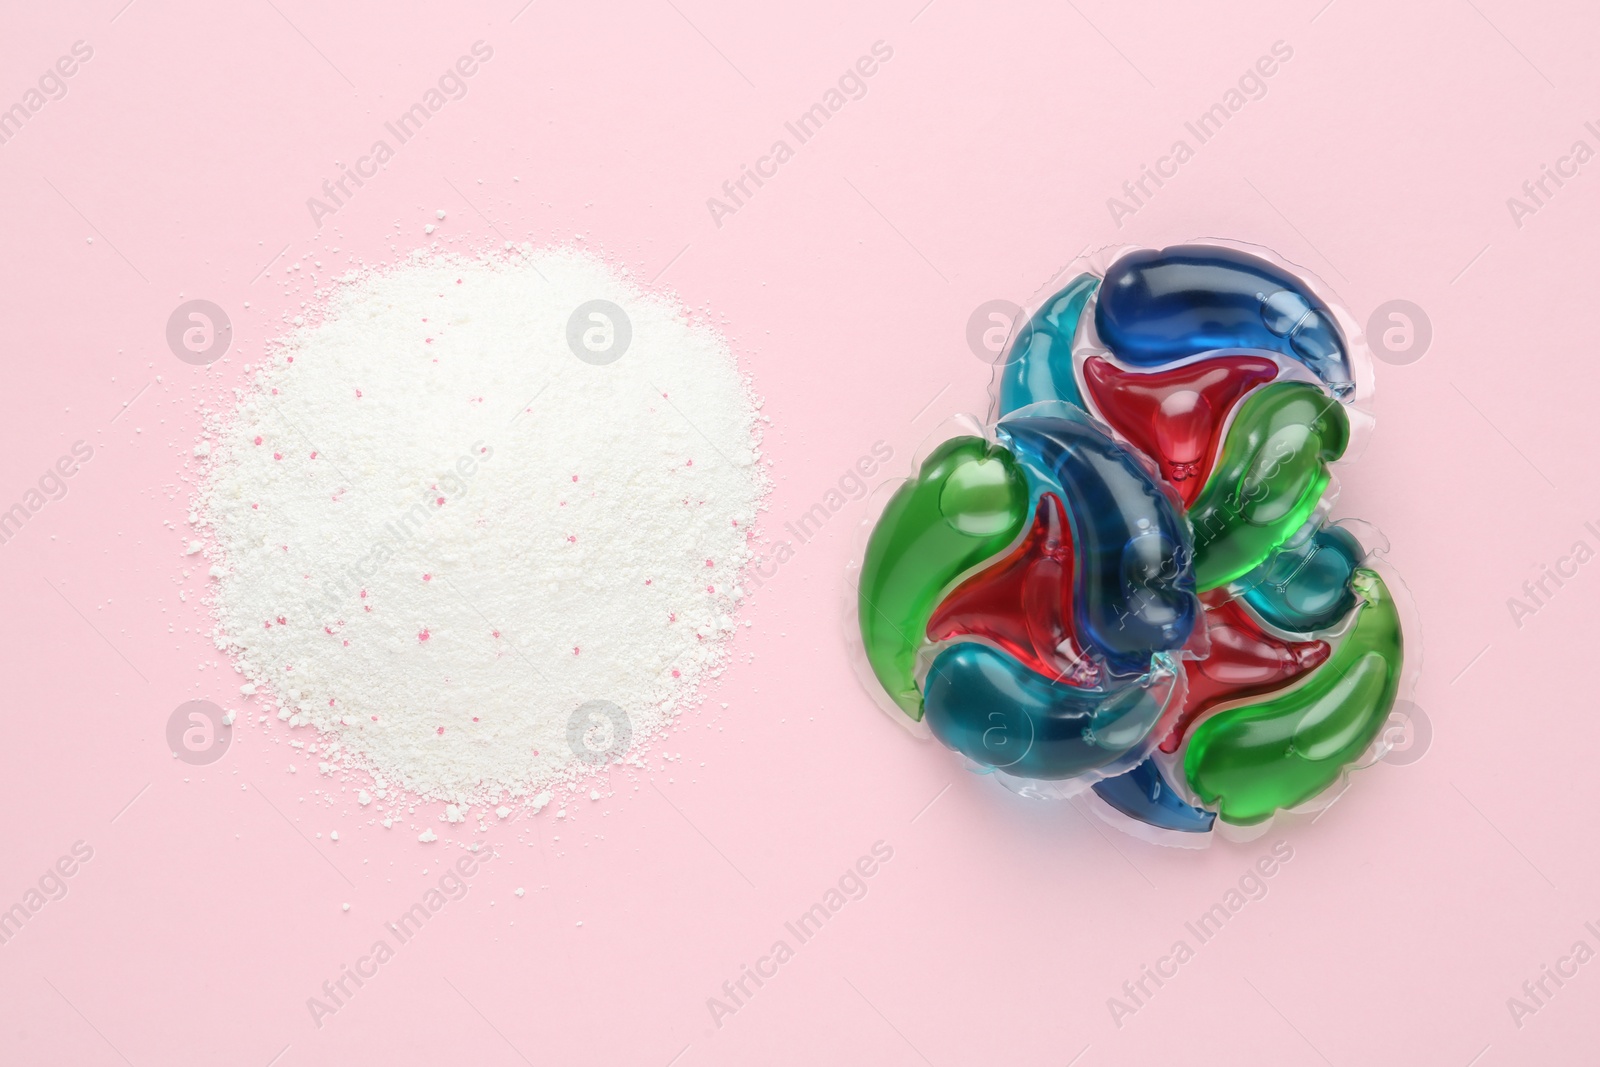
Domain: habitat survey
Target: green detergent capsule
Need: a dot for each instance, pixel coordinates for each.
(1249, 761)
(1268, 480)
(966, 504)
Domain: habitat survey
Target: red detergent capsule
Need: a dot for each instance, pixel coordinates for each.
(1023, 602)
(1245, 661)
(1175, 416)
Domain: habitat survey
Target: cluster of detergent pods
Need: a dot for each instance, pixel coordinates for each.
(1127, 581)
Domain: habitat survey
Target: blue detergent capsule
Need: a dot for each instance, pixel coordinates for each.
(1039, 363)
(1144, 793)
(1159, 306)
(987, 705)
(1133, 590)
(1307, 588)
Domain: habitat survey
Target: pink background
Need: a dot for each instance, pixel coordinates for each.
(978, 163)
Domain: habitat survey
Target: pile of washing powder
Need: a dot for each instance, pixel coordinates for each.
(482, 520)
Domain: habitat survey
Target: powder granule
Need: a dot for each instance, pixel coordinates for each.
(440, 532)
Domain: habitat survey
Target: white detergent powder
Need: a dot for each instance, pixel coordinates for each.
(438, 533)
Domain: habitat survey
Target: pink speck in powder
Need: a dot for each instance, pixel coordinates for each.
(423, 636)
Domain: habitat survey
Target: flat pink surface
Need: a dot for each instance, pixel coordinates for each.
(978, 162)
